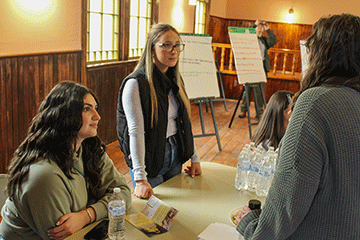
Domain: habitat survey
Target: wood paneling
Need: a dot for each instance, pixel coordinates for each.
(232, 88)
(105, 81)
(288, 36)
(24, 82)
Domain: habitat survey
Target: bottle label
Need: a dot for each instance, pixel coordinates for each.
(243, 167)
(252, 168)
(116, 210)
(266, 172)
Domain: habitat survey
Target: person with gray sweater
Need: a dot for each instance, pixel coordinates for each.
(316, 187)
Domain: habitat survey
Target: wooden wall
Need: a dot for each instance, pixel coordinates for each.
(26, 80)
(105, 81)
(288, 36)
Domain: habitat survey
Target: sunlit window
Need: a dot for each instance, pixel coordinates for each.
(200, 16)
(140, 24)
(103, 35)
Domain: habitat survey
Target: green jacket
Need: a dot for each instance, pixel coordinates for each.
(47, 194)
(268, 42)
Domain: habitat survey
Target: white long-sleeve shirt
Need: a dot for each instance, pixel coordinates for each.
(135, 122)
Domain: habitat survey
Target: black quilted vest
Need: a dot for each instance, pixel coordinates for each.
(155, 138)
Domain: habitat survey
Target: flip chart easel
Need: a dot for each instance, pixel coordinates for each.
(248, 63)
(197, 68)
(245, 87)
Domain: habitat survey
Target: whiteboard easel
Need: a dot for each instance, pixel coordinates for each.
(249, 64)
(197, 68)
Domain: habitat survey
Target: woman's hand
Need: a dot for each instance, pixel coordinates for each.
(69, 224)
(143, 189)
(242, 213)
(194, 169)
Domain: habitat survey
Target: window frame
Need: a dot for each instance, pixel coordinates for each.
(206, 16)
(148, 23)
(123, 30)
(115, 14)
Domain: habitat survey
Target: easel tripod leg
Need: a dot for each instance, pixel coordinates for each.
(215, 125)
(237, 105)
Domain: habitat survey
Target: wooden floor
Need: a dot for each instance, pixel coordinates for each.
(232, 139)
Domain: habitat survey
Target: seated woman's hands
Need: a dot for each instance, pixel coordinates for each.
(242, 213)
(69, 224)
(143, 189)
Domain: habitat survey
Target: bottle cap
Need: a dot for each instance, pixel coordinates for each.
(254, 204)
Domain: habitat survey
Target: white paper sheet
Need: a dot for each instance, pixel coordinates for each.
(220, 231)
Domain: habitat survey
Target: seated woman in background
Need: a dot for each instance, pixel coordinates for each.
(60, 178)
(273, 123)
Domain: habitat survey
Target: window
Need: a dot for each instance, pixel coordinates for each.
(111, 38)
(102, 30)
(140, 24)
(200, 16)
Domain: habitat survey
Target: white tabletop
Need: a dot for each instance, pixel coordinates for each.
(202, 200)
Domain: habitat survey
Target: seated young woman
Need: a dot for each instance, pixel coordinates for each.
(60, 178)
(273, 123)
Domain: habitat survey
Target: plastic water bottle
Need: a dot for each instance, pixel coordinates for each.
(272, 160)
(255, 163)
(262, 149)
(252, 146)
(117, 211)
(247, 146)
(265, 174)
(243, 167)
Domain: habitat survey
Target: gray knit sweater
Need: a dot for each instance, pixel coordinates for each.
(315, 193)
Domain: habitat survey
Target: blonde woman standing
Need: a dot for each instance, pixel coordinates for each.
(153, 115)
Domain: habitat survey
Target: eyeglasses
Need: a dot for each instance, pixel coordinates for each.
(168, 47)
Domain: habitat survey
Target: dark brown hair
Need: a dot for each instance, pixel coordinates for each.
(334, 53)
(52, 135)
(271, 125)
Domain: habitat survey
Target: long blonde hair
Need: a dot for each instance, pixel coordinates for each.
(146, 60)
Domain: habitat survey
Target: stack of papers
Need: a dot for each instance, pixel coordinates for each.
(220, 231)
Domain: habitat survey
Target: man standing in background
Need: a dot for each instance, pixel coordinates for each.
(265, 43)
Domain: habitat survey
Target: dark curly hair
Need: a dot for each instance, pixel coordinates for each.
(52, 135)
(334, 53)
